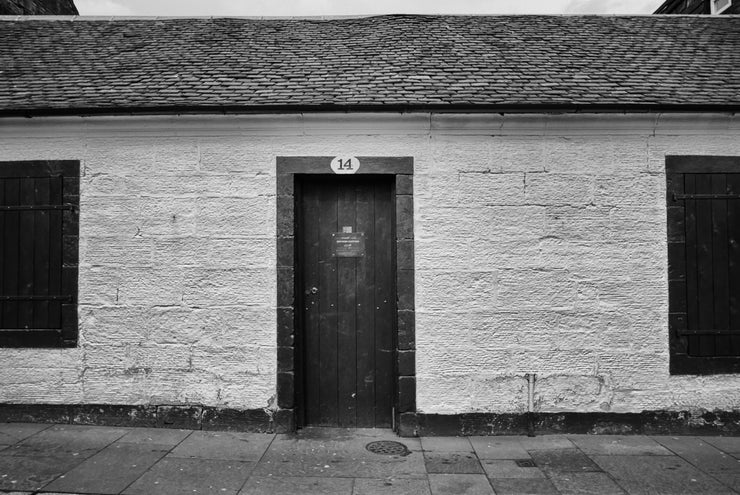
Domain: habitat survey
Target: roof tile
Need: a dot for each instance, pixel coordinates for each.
(76, 64)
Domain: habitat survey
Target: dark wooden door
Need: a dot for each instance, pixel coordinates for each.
(346, 293)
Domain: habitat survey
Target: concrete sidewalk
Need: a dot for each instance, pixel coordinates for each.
(37, 458)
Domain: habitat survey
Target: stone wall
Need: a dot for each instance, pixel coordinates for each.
(38, 7)
(540, 248)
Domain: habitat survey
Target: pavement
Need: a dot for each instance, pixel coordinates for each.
(71, 459)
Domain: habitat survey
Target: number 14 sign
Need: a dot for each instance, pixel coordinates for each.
(345, 165)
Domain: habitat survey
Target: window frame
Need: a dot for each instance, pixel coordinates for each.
(715, 10)
(681, 363)
(69, 173)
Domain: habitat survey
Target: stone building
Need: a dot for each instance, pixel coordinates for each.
(444, 224)
(37, 7)
(725, 7)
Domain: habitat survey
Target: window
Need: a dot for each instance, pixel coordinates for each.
(719, 6)
(703, 195)
(39, 204)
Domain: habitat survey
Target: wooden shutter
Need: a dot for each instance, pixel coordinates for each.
(38, 253)
(712, 209)
(704, 263)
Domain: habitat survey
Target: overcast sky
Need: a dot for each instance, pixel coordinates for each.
(358, 7)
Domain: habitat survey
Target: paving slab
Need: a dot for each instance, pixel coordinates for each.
(72, 439)
(546, 442)
(157, 436)
(111, 470)
(176, 476)
(585, 484)
(460, 484)
(452, 463)
(706, 457)
(504, 447)
(390, 486)
(651, 474)
(20, 472)
(618, 445)
(11, 433)
(563, 460)
(223, 445)
(523, 486)
(323, 440)
(731, 445)
(259, 485)
(343, 466)
(446, 444)
(317, 452)
(501, 468)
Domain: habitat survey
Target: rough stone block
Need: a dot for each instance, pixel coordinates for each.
(179, 417)
(285, 326)
(405, 254)
(286, 390)
(406, 394)
(550, 189)
(407, 425)
(491, 189)
(460, 290)
(406, 363)
(406, 329)
(404, 184)
(285, 361)
(221, 419)
(284, 421)
(404, 217)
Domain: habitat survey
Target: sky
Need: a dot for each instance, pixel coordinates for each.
(359, 7)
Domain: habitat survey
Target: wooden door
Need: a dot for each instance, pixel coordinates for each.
(346, 294)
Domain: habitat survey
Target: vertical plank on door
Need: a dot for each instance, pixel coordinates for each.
(733, 238)
(366, 309)
(10, 261)
(3, 238)
(55, 251)
(41, 254)
(346, 316)
(328, 306)
(720, 264)
(25, 273)
(311, 311)
(705, 265)
(384, 304)
(692, 299)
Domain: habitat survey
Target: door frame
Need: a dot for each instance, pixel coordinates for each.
(289, 373)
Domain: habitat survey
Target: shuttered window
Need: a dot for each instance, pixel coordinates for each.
(703, 195)
(39, 203)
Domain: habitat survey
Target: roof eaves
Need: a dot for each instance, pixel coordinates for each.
(379, 108)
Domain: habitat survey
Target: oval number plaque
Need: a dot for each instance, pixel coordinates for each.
(345, 165)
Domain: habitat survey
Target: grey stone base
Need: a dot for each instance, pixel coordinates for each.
(644, 423)
(409, 424)
(153, 416)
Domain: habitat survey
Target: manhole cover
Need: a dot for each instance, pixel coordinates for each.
(387, 447)
(525, 463)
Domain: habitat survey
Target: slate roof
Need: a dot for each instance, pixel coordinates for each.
(77, 64)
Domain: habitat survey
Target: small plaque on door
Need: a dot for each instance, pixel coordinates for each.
(348, 244)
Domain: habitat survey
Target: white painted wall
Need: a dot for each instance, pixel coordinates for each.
(540, 248)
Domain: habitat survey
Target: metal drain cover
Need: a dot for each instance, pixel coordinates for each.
(388, 447)
(525, 463)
